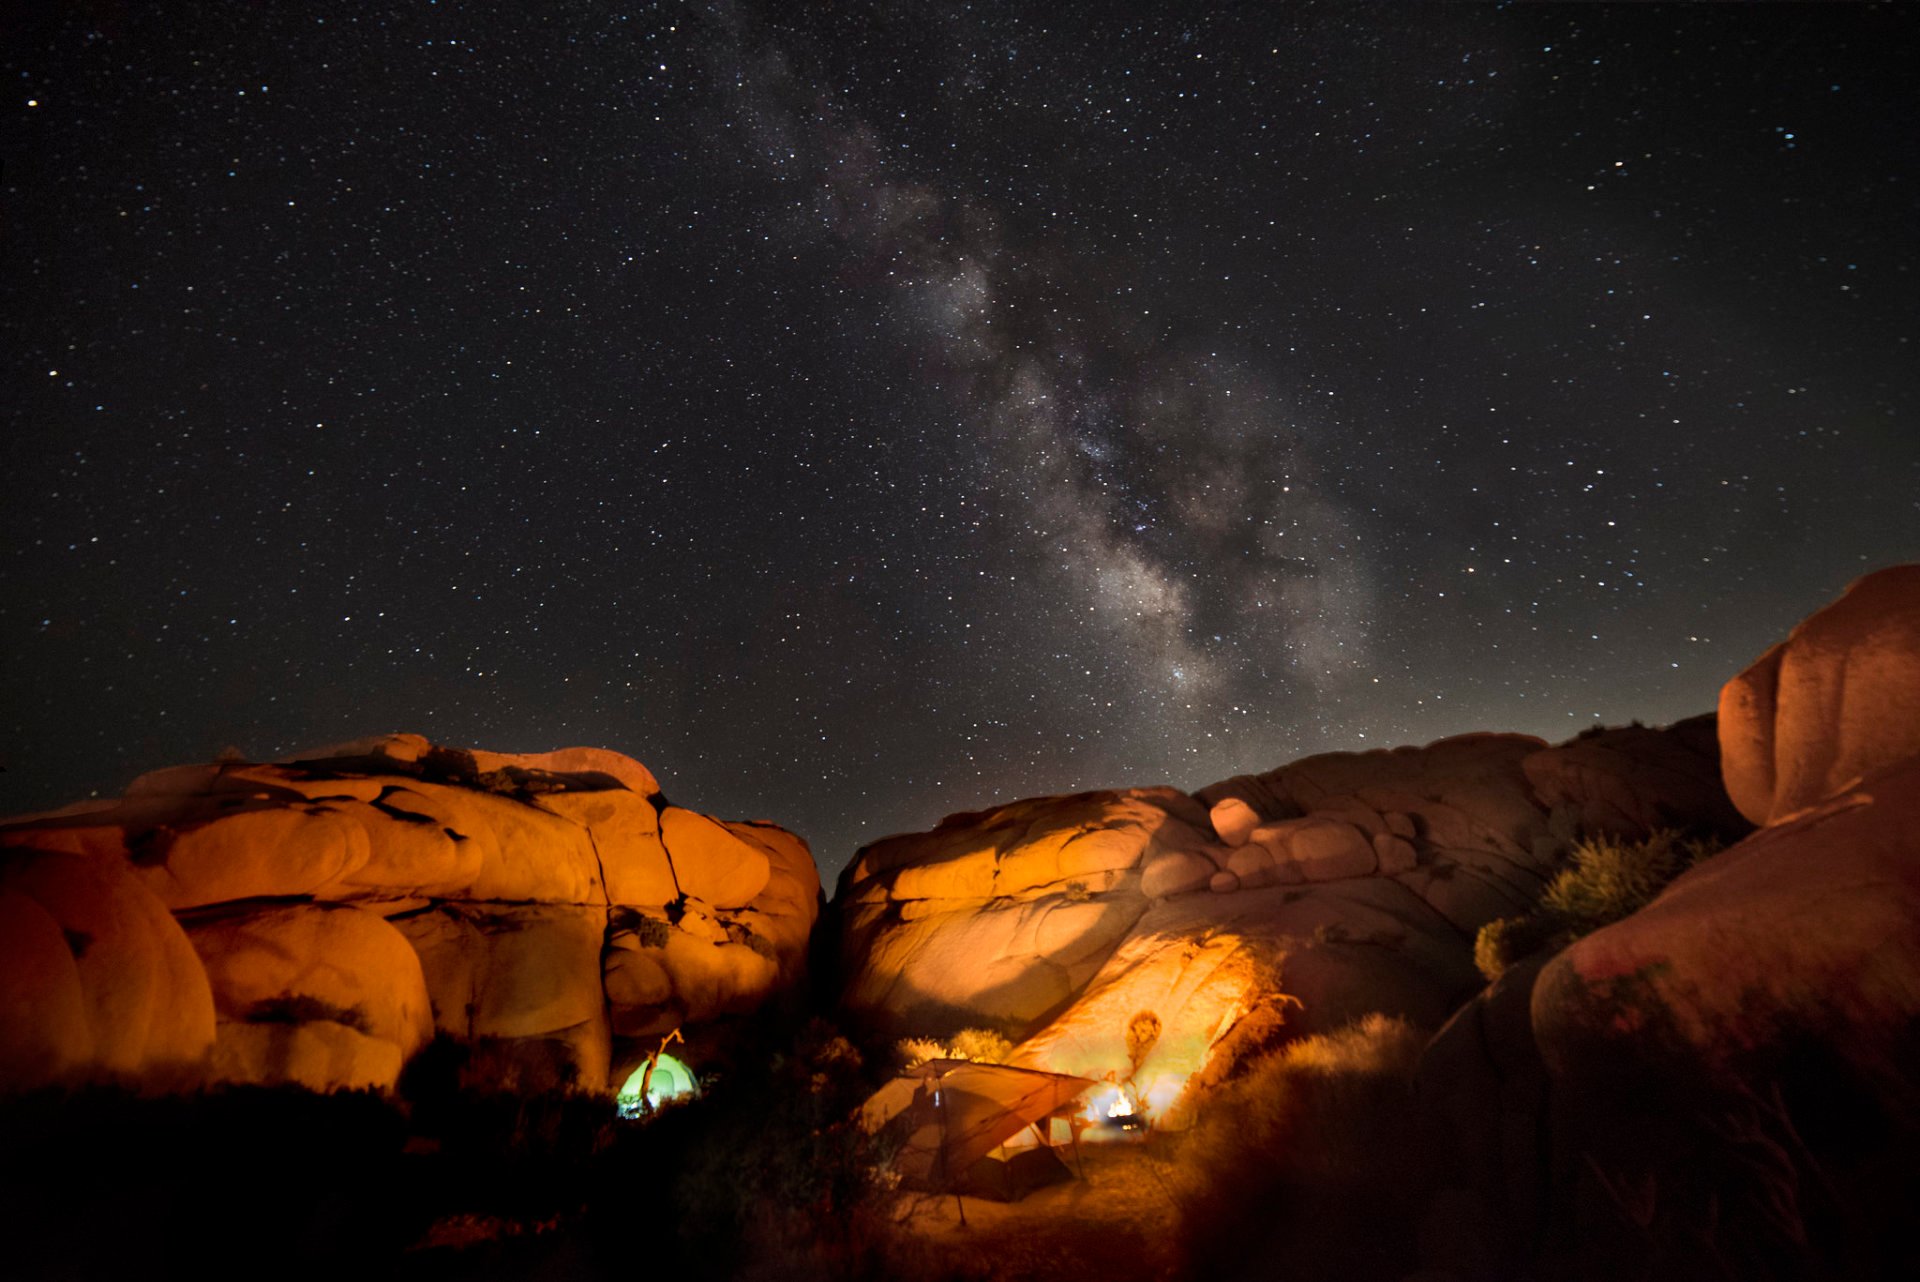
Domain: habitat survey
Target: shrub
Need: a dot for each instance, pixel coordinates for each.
(982, 1045)
(773, 1176)
(1506, 940)
(651, 932)
(1609, 879)
(915, 1051)
(1315, 1143)
(1605, 880)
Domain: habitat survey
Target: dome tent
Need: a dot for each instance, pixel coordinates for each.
(671, 1080)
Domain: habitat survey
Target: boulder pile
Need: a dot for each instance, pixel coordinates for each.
(318, 921)
(1351, 882)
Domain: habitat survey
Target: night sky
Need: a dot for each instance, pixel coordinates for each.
(864, 411)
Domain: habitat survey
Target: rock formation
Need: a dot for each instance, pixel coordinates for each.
(1128, 934)
(319, 920)
(1745, 1043)
(1838, 698)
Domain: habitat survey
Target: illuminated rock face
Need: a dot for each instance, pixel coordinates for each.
(1352, 882)
(317, 921)
(1838, 698)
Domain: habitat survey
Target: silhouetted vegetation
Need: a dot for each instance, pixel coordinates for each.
(1312, 1150)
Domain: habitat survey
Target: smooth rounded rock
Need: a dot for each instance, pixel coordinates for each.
(1839, 698)
(1327, 850)
(1176, 873)
(1234, 820)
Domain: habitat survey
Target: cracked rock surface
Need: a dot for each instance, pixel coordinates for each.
(319, 920)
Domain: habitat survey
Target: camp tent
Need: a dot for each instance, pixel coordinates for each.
(960, 1125)
(671, 1080)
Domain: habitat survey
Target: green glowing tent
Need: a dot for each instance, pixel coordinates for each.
(671, 1080)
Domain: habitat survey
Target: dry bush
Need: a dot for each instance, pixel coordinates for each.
(1610, 879)
(1605, 880)
(981, 1045)
(912, 1052)
(1506, 940)
(1315, 1143)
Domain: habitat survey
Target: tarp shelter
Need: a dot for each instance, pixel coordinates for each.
(960, 1124)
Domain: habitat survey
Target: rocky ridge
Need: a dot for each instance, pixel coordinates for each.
(1128, 934)
(318, 921)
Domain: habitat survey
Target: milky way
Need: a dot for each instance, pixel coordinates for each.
(865, 412)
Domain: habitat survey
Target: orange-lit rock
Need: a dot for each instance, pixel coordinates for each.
(1327, 849)
(1253, 865)
(101, 980)
(517, 971)
(318, 1055)
(314, 962)
(1394, 853)
(1747, 1039)
(1175, 873)
(493, 897)
(719, 868)
(1837, 699)
(1352, 882)
(625, 827)
(1234, 820)
(43, 1008)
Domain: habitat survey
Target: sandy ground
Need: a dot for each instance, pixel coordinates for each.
(1113, 1223)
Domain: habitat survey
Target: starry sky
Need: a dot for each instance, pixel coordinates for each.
(865, 411)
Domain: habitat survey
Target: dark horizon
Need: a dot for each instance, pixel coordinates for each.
(859, 417)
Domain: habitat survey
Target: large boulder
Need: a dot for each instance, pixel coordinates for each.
(1838, 697)
(518, 972)
(1806, 932)
(97, 979)
(308, 963)
(345, 905)
(1000, 917)
(1732, 1064)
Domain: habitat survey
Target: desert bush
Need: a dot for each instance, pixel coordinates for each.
(1506, 940)
(1606, 879)
(1609, 879)
(982, 1045)
(105, 1183)
(1316, 1143)
(912, 1052)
